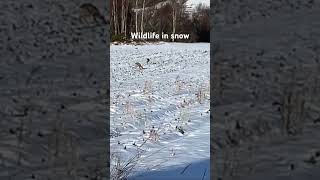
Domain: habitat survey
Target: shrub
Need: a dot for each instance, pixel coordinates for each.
(118, 38)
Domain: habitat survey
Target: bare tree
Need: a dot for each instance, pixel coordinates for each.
(177, 7)
(122, 15)
(174, 17)
(126, 16)
(115, 19)
(136, 12)
(167, 16)
(143, 8)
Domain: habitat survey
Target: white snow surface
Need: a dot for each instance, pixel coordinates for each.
(171, 94)
(194, 3)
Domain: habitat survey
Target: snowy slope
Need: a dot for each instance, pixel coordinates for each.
(169, 97)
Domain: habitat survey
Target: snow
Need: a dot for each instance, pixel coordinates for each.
(165, 105)
(194, 3)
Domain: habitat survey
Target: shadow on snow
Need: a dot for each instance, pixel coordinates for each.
(192, 171)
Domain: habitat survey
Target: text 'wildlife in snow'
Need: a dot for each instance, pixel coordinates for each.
(155, 36)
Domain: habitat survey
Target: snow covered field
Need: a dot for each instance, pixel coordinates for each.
(160, 126)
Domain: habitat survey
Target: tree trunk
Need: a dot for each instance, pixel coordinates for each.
(136, 16)
(174, 19)
(126, 17)
(122, 16)
(117, 18)
(115, 24)
(142, 23)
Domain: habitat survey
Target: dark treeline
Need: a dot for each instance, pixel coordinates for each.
(167, 16)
